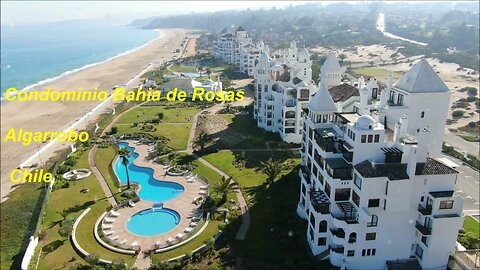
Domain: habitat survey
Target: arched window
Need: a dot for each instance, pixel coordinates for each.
(323, 226)
(373, 221)
(422, 115)
(352, 238)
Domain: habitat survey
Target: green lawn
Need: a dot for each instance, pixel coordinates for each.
(181, 68)
(173, 115)
(248, 177)
(103, 160)
(175, 125)
(249, 135)
(18, 221)
(471, 225)
(207, 234)
(176, 133)
(58, 252)
(375, 72)
(272, 211)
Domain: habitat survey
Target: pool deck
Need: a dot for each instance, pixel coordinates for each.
(182, 204)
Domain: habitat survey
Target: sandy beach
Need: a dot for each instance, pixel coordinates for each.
(56, 116)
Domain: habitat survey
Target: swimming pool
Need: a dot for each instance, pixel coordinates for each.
(152, 189)
(153, 222)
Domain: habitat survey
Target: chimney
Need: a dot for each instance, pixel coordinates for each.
(403, 127)
(383, 98)
(363, 97)
(412, 161)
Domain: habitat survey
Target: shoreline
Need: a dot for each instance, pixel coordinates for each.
(56, 116)
(84, 67)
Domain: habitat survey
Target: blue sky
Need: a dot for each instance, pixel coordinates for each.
(121, 11)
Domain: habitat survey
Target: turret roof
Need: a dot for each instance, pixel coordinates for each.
(421, 78)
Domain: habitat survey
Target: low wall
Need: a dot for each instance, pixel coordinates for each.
(29, 252)
(105, 245)
(161, 250)
(74, 239)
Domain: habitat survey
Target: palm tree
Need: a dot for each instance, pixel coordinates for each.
(124, 153)
(225, 186)
(202, 140)
(272, 168)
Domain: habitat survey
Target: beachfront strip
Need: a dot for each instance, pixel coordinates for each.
(373, 188)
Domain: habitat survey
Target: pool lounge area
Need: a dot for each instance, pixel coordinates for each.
(166, 213)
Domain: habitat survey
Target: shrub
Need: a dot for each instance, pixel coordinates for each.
(63, 169)
(92, 258)
(458, 113)
(469, 240)
(65, 231)
(472, 124)
(70, 161)
(471, 99)
(472, 91)
(113, 130)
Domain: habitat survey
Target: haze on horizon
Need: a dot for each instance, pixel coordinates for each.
(122, 11)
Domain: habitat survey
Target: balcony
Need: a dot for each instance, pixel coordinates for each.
(320, 201)
(426, 211)
(338, 168)
(329, 140)
(306, 174)
(290, 103)
(422, 229)
(338, 250)
(340, 233)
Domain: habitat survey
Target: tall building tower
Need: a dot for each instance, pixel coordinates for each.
(331, 72)
(372, 189)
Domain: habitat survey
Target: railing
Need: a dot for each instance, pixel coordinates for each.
(338, 233)
(422, 229)
(425, 210)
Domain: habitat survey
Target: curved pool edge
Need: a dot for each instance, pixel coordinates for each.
(179, 217)
(139, 186)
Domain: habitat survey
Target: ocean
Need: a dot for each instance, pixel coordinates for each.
(31, 54)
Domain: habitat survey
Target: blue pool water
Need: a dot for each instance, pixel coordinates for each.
(153, 222)
(152, 190)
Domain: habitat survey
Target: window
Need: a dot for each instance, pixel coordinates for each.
(322, 241)
(374, 92)
(357, 180)
(446, 204)
(368, 252)
(351, 253)
(364, 138)
(391, 97)
(312, 219)
(374, 250)
(342, 194)
(400, 99)
(377, 138)
(364, 251)
(419, 251)
(323, 226)
(352, 238)
(370, 138)
(310, 231)
(327, 189)
(422, 198)
(373, 221)
(422, 115)
(304, 189)
(355, 198)
(370, 236)
(374, 203)
(384, 204)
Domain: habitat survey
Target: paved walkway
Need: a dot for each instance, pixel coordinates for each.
(143, 261)
(101, 180)
(242, 231)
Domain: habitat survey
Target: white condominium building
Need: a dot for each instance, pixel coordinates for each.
(372, 189)
(238, 49)
(283, 86)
